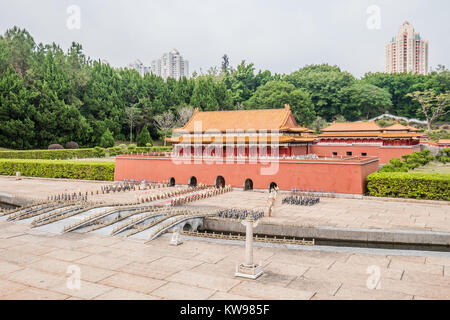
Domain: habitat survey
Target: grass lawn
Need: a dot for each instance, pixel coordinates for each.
(435, 166)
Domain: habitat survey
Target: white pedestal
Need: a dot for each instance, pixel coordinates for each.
(249, 272)
(176, 239)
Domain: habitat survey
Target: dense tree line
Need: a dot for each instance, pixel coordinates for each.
(50, 96)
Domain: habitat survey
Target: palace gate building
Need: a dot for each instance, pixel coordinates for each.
(260, 149)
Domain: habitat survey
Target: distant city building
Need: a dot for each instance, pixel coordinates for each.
(139, 67)
(407, 52)
(171, 65)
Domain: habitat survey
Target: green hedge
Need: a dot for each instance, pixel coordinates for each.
(433, 186)
(96, 170)
(66, 154)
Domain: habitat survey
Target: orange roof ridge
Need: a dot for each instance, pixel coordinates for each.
(256, 119)
(352, 126)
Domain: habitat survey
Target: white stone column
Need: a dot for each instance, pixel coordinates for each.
(249, 269)
(249, 242)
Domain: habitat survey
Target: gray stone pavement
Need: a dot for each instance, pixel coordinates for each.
(29, 189)
(341, 212)
(336, 212)
(38, 265)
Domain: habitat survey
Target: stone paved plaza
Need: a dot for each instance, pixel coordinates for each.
(337, 212)
(38, 265)
(341, 212)
(35, 265)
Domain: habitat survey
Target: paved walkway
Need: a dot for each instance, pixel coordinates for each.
(339, 212)
(40, 189)
(36, 265)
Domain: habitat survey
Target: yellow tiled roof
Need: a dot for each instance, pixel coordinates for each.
(369, 134)
(399, 127)
(350, 134)
(262, 119)
(352, 126)
(224, 140)
(401, 135)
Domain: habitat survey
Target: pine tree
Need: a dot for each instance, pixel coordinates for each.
(143, 137)
(107, 139)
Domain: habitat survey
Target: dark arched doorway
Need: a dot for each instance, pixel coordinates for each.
(220, 182)
(187, 227)
(248, 185)
(193, 182)
(172, 182)
(272, 186)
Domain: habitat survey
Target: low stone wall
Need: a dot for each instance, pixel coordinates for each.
(334, 233)
(10, 199)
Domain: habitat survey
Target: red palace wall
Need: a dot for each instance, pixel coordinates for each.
(340, 176)
(385, 154)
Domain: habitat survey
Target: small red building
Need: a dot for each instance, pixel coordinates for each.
(367, 139)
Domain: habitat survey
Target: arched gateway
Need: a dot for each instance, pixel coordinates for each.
(220, 182)
(193, 182)
(248, 185)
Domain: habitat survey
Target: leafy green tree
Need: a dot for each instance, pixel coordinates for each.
(16, 113)
(19, 49)
(107, 139)
(324, 84)
(143, 137)
(275, 94)
(103, 106)
(433, 106)
(398, 85)
(225, 63)
(241, 82)
(364, 101)
(204, 94)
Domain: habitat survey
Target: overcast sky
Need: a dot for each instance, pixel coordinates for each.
(279, 35)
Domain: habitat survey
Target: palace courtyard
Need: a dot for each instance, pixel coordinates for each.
(35, 264)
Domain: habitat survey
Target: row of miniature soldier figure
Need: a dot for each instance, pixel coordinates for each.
(69, 197)
(240, 214)
(306, 200)
(171, 194)
(126, 186)
(203, 195)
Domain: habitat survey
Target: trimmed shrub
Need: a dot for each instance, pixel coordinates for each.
(48, 154)
(96, 170)
(411, 161)
(55, 147)
(143, 138)
(114, 151)
(107, 139)
(131, 148)
(99, 152)
(433, 186)
(66, 154)
(444, 155)
(72, 145)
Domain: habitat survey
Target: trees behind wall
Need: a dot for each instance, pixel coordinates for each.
(52, 96)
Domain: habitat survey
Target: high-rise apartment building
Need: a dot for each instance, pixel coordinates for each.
(139, 67)
(407, 52)
(171, 65)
